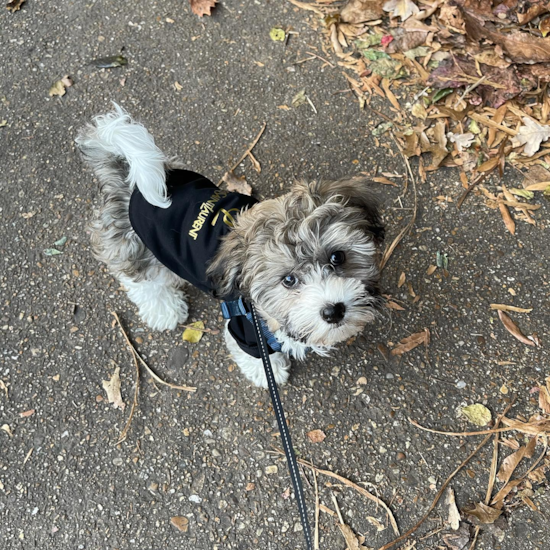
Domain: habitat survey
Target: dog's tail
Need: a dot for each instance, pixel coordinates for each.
(116, 135)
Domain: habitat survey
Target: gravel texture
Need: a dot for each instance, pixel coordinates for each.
(206, 456)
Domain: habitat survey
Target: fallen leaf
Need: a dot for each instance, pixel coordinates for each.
(523, 193)
(316, 436)
(111, 62)
(52, 252)
(513, 329)
(402, 279)
(406, 40)
(277, 34)
(463, 141)
(59, 87)
(401, 8)
(15, 5)
(202, 7)
(520, 46)
(299, 99)
(477, 413)
(531, 134)
(411, 342)
(384, 180)
(431, 270)
(377, 523)
(544, 397)
(3, 123)
(359, 11)
(26, 414)
(7, 429)
(193, 336)
(112, 388)
(504, 307)
(507, 218)
(180, 522)
(484, 513)
(509, 464)
(178, 86)
(237, 184)
(392, 305)
(454, 515)
(352, 540)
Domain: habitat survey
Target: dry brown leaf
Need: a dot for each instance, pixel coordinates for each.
(316, 436)
(180, 522)
(489, 165)
(239, 185)
(202, 7)
(454, 515)
(484, 513)
(520, 46)
(385, 181)
(7, 429)
(411, 342)
(392, 305)
(509, 464)
(15, 5)
(402, 279)
(359, 11)
(544, 397)
(26, 414)
(533, 427)
(431, 270)
(507, 218)
(540, 186)
(504, 307)
(513, 329)
(351, 538)
(112, 388)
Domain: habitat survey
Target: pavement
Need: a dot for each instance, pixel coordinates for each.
(206, 456)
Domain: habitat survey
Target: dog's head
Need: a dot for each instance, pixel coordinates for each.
(307, 260)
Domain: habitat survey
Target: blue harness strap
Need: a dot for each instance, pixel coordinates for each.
(237, 308)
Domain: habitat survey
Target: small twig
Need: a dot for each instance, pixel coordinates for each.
(340, 518)
(151, 372)
(389, 251)
(352, 485)
(316, 534)
(311, 104)
(124, 432)
(476, 182)
(249, 150)
(306, 6)
(321, 58)
(469, 89)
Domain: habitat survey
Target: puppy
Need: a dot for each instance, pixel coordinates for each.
(307, 259)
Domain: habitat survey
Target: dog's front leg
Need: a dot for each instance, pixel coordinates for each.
(253, 368)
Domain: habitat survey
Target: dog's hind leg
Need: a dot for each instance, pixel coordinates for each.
(161, 300)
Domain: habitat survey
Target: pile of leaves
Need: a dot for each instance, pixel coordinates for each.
(477, 73)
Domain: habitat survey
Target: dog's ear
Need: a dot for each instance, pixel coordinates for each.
(350, 191)
(225, 270)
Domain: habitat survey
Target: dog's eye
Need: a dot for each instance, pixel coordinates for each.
(337, 258)
(290, 281)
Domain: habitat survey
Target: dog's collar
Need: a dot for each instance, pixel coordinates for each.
(237, 308)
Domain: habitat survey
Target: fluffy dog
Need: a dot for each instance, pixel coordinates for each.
(307, 259)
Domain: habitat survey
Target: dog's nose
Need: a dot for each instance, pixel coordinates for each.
(333, 313)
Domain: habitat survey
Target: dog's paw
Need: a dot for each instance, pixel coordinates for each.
(280, 364)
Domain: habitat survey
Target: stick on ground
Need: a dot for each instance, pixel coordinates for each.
(151, 372)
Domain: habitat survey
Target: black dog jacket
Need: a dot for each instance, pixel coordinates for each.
(185, 236)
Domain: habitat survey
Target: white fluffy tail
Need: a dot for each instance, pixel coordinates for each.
(116, 134)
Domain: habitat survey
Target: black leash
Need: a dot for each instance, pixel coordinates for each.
(283, 428)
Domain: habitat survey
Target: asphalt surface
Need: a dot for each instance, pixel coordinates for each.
(206, 456)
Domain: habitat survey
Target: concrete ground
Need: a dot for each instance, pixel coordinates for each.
(204, 456)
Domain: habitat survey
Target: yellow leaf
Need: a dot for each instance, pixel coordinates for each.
(478, 414)
(191, 335)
